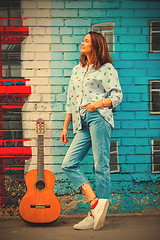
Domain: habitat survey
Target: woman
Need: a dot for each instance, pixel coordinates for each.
(93, 91)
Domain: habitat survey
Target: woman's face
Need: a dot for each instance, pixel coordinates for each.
(86, 45)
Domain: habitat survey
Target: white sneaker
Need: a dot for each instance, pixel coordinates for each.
(86, 223)
(99, 213)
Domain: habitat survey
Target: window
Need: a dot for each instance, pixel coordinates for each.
(156, 156)
(12, 123)
(155, 96)
(10, 9)
(11, 60)
(155, 36)
(107, 30)
(114, 166)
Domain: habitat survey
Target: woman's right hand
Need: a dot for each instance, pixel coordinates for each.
(63, 136)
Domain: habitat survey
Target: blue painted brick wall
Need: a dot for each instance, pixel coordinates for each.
(134, 126)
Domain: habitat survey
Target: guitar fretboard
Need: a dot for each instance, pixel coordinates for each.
(40, 159)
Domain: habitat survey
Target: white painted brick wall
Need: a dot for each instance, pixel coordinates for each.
(36, 57)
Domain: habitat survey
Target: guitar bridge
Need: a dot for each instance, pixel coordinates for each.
(39, 206)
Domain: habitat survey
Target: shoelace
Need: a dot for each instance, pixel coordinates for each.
(91, 214)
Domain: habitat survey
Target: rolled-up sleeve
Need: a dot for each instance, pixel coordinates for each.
(112, 85)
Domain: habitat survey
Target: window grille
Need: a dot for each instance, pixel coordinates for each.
(155, 36)
(12, 124)
(107, 30)
(155, 96)
(11, 60)
(156, 156)
(114, 162)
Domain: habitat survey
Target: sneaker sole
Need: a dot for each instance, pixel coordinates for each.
(77, 228)
(101, 220)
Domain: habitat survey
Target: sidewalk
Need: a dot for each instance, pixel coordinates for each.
(117, 227)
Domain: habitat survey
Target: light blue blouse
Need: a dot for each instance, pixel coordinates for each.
(93, 85)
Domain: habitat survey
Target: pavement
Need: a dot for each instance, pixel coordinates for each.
(117, 227)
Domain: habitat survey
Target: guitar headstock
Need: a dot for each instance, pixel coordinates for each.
(40, 126)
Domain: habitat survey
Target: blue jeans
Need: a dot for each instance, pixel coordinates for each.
(95, 132)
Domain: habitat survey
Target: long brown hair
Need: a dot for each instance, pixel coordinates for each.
(100, 53)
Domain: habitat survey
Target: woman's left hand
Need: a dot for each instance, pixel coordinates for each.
(93, 106)
(98, 104)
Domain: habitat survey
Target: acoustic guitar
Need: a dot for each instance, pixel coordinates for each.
(40, 204)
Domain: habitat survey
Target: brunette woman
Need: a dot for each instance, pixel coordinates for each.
(94, 89)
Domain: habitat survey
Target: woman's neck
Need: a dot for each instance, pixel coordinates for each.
(88, 62)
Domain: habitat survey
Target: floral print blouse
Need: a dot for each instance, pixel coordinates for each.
(93, 85)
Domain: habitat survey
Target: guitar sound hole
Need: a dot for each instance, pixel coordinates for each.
(40, 185)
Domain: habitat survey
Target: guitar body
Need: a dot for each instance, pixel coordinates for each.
(39, 204)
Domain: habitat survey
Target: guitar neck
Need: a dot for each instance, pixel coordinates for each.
(40, 159)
